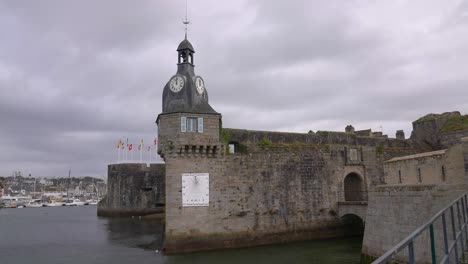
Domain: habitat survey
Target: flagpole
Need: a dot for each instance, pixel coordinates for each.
(141, 149)
(126, 152)
(150, 155)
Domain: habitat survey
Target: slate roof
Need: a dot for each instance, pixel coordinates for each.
(419, 155)
(185, 44)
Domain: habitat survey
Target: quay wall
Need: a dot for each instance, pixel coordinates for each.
(134, 189)
(395, 211)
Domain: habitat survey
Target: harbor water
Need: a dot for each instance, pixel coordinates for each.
(76, 235)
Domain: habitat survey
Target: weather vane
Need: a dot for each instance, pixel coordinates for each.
(186, 22)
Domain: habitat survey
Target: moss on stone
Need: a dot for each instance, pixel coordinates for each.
(428, 117)
(380, 149)
(242, 148)
(366, 259)
(455, 123)
(103, 201)
(264, 142)
(224, 135)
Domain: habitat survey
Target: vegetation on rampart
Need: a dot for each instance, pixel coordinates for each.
(455, 123)
(264, 142)
(428, 117)
(437, 116)
(103, 201)
(224, 136)
(380, 149)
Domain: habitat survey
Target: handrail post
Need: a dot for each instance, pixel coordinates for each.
(464, 216)
(461, 231)
(454, 233)
(433, 253)
(444, 227)
(411, 252)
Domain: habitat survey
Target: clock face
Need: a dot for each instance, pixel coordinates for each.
(176, 84)
(200, 85)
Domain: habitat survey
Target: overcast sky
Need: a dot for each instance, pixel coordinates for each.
(77, 76)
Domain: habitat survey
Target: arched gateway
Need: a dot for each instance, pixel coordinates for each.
(354, 188)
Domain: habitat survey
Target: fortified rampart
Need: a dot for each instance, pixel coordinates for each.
(134, 189)
(440, 130)
(275, 187)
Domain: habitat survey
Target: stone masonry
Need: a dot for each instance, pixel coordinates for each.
(134, 189)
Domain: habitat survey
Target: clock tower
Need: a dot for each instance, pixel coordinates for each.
(187, 124)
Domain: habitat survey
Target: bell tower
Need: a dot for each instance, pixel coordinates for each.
(186, 52)
(187, 123)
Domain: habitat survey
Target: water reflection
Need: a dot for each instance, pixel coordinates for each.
(135, 232)
(77, 236)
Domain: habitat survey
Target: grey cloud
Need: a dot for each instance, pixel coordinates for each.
(77, 76)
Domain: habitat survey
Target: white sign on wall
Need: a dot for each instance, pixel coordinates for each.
(195, 189)
(353, 155)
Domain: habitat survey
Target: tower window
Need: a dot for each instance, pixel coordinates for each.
(419, 175)
(191, 124)
(399, 176)
(183, 124)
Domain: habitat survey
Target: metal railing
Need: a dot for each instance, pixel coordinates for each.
(451, 245)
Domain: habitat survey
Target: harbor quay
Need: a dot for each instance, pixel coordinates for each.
(17, 191)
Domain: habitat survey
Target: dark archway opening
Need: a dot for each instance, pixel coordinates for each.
(354, 188)
(352, 225)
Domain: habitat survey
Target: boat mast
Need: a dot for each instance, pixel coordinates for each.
(68, 185)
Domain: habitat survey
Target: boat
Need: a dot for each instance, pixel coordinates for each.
(54, 203)
(15, 201)
(34, 203)
(91, 202)
(74, 202)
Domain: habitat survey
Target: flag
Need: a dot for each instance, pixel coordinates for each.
(149, 148)
(155, 141)
(130, 147)
(139, 147)
(127, 142)
(119, 144)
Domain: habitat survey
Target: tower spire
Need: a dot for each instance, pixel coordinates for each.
(186, 22)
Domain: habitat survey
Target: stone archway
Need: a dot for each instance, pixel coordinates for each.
(353, 225)
(354, 188)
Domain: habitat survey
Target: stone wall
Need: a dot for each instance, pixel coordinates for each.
(465, 156)
(134, 189)
(255, 199)
(437, 167)
(452, 138)
(268, 194)
(394, 211)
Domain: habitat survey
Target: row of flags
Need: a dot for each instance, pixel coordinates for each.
(121, 145)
